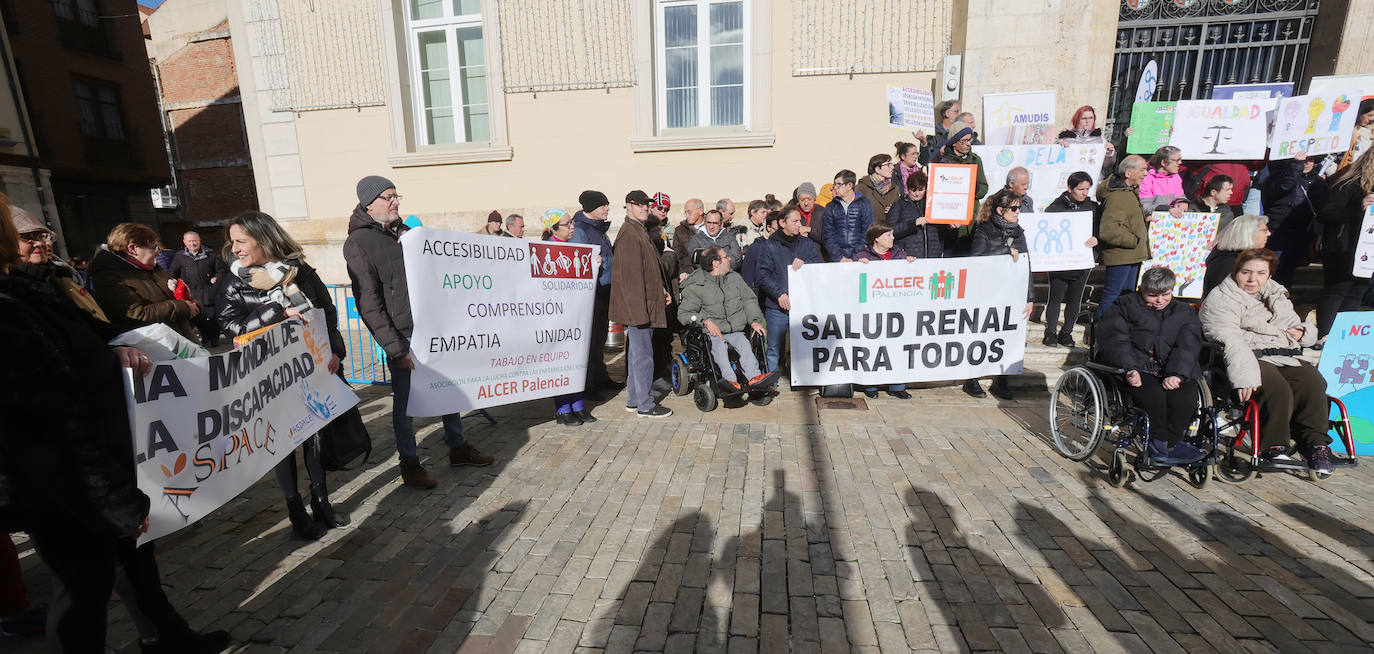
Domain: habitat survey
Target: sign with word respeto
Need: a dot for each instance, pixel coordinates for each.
(1025, 118)
(1049, 166)
(888, 322)
(910, 108)
(1151, 125)
(1222, 129)
(1182, 245)
(1364, 246)
(1347, 364)
(1314, 124)
(207, 428)
(949, 199)
(497, 320)
(1059, 241)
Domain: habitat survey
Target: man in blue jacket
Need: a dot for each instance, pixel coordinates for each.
(847, 219)
(589, 227)
(786, 247)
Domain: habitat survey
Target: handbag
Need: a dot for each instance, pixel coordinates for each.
(344, 440)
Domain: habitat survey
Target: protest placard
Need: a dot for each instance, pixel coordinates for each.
(1364, 246)
(1058, 241)
(1347, 365)
(1182, 245)
(1151, 125)
(1025, 118)
(497, 320)
(949, 198)
(910, 108)
(927, 320)
(1313, 124)
(1049, 166)
(1249, 91)
(1221, 129)
(207, 428)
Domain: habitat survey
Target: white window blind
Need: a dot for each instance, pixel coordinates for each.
(449, 72)
(700, 53)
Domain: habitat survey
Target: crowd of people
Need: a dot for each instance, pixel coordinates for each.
(711, 271)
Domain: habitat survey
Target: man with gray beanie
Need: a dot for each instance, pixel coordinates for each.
(376, 266)
(589, 227)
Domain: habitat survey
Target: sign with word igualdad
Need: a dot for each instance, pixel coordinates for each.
(889, 322)
(1049, 166)
(207, 428)
(497, 320)
(1221, 129)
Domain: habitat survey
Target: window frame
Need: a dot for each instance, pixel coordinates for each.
(703, 46)
(449, 24)
(94, 88)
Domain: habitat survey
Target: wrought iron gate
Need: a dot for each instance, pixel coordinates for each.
(1199, 44)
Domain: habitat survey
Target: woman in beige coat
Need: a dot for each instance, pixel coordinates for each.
(1252, 317)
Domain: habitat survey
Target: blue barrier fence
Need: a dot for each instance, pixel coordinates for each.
(366, 362)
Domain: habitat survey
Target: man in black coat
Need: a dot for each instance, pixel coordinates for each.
(200, 268)
(1291, 196)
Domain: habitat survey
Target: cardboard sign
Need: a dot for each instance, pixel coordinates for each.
(949, 198)
(1182, 245)
(1152, 124)
(910, 108)
(1210, 130)
(1314, 124)
(1019, 118)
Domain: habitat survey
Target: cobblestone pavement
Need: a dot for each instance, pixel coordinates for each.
(942, 523)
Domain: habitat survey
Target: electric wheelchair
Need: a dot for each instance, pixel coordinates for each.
(694, 370)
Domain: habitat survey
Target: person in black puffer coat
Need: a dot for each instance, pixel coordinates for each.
(269, 282)
(998, 232)
(1157, 340)
(1352, 193)
(1066, 286)
(1291, 196)
(908, 219)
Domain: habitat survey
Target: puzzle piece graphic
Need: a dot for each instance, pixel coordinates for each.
(1349, 373)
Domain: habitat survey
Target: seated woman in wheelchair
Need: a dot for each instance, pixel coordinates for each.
(716, 297)
(1251, 316)
(1157, 340)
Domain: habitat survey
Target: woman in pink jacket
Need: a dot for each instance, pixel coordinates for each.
(1162, 185)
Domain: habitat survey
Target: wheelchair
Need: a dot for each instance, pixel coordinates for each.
(1237, 426)
(1089, 404)
(694, 370)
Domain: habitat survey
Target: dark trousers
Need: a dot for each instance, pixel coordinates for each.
(1342, 291)
(14, 597)
(1120, 280)
(1169, 411)
(139, 584)
(663, 352)
(1291, 245)
(597, 375)
(1292, 401)
(207, 326)
(83, 569)
(285, 470)
(1066, 288)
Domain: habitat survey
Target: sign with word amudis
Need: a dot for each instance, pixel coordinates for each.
(207, 428)
(889, 322)
(497, 320)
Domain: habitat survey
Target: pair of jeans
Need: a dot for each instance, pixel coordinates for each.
(776, 324)
(1342, 291)
(1169, 411)
(1066, 288)
(1292, 401)
(1120, 280)
(721, 354)
(404, 425)
(639, 366)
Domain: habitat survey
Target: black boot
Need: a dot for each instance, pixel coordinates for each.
(185, 641)
(323, 510)
(300, 520)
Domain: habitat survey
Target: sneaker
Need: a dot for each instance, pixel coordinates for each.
(1157, 449)
(871, 393)
(467, 455)
(973, 388)
(631, 409)
(766, 380)
(1049, 340)
(1319, 459)
(1066, 339)
(29, 622)
(901, 395)
(413, 474)
(1278, 453)
(1186, 453)
(659, 411)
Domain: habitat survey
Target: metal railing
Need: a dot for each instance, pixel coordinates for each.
(366, 361)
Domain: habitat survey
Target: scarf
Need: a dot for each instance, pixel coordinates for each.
(883, 184)
(1010, 231)
(277, 279)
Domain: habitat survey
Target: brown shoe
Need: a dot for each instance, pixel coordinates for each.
(467, 455)
(413, 474)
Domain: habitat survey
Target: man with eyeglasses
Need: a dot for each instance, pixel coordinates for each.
(713, 232)
(376, 266)
(639, 301)
(1123, 237)
(847, 219)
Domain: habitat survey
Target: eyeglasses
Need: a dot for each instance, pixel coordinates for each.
(1014, 207)
(564, 225)
(36, 237)
(886, 165)
(389, 198)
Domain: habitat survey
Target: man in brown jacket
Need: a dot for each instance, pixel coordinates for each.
(639, 302)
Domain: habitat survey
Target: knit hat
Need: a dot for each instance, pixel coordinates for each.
(25, 223)
(806, 188)
(553, 217)
(662, 201)
(494, 216)
(592, 200)
(372, 186)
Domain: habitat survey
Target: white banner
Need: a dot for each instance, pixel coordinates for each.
(207, 428)
(910, 108)
(1364, 246)
(1314, 124)
(1222, 129)
(889, 322)
(1058, 241)
(1049, 166)
(1025, 118)
(497, 320)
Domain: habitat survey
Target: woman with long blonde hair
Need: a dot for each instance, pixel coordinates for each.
(1352, 193)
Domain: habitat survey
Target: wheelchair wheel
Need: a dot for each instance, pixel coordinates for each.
(1317, 477)
(1233, 455)
(1076, 413)
(1118, 473)
(679, 376)
(1198, 476)
(705, 398)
